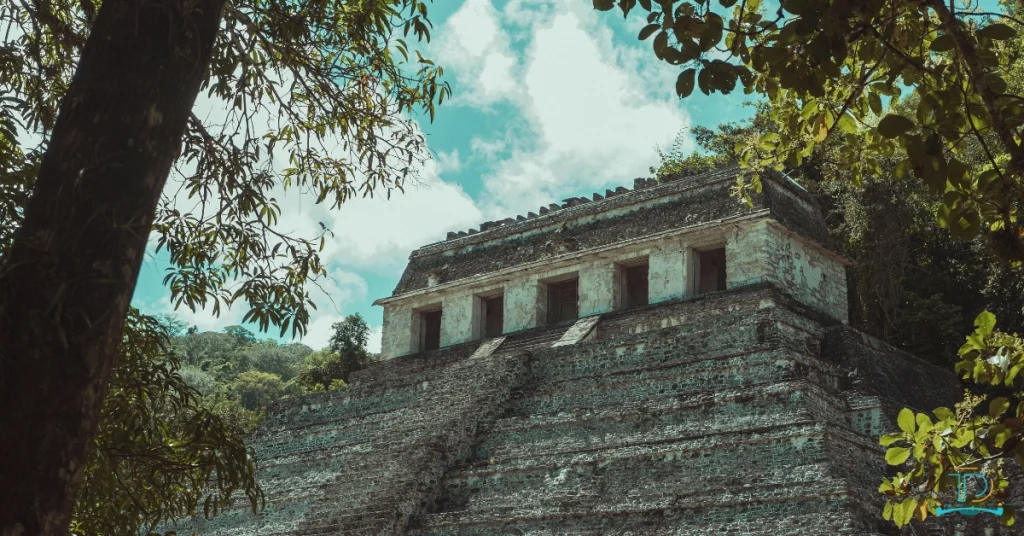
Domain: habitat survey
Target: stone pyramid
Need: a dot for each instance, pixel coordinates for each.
(683, 403)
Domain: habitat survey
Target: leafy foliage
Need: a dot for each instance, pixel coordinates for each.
(318, 97)
(158, 447)
(828, 67)
(346, 353)
(256, 390)
(322, 371)
(168, 430)
(973, 434)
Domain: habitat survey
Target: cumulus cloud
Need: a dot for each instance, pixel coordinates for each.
(368, 234)
(594, 107)
(472, 41)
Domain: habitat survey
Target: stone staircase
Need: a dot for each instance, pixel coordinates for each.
(363, 460)
(672, 431)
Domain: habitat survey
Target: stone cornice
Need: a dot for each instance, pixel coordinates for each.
(479, 280)
(626, 198)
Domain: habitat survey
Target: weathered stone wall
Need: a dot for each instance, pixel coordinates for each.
(690, 202)
(365, 459)
(664, 225)
(766, 252)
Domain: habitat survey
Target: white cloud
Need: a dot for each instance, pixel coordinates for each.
(376, 333)
(369, 234)
(594, 109)
(487, 148)
(449, 162)
(473, 41)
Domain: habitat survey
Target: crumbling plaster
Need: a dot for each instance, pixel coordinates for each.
(766, 251)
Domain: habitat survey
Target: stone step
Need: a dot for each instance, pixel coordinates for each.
(377, 429)
(544, 340)
(614, 426)
(368, 399)
(766, 504)
(647, 350)
(278, 518)
(626, 480)
(832, 520)
(736, 371)
(697, 462)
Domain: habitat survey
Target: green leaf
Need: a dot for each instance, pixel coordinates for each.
(684, 84)
(997, 32)
(942, 43)
(847, 124)
(1003, 435)
(648, 31)
(897, 455)
(704, 81)
(997, 407)
(1009, 516)
(660, 43)
(944, 414)
(904, 511)
(795, 7)
(889, 439)
(924, 424)
(985, 322)
(975, 341)
(875, 103)
(893, 125)
(905, 420)
(604, 5)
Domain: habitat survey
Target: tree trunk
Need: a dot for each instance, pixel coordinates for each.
(67, 282)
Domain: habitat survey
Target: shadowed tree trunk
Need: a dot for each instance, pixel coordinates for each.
(66, 285)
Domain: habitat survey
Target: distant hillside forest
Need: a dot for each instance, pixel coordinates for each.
(239, 375)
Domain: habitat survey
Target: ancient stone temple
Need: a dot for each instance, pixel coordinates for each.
(654, 360)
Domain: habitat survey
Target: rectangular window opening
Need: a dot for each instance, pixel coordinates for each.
(635, 286)
(563, 301)
(430, 330)
(493, 316)
(710, 270)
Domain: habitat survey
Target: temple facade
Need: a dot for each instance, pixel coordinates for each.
(620, 250)
(654, 360)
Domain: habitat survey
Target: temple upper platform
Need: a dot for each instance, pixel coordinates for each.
(675, 239)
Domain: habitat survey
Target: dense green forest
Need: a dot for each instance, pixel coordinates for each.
(180, 406)
(238, 375)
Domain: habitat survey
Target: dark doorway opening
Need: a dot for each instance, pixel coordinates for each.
(563, 301)
(711, 270)
(635, 288)
(430, 330)
(494, 316)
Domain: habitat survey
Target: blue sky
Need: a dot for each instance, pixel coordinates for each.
(551, 99)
